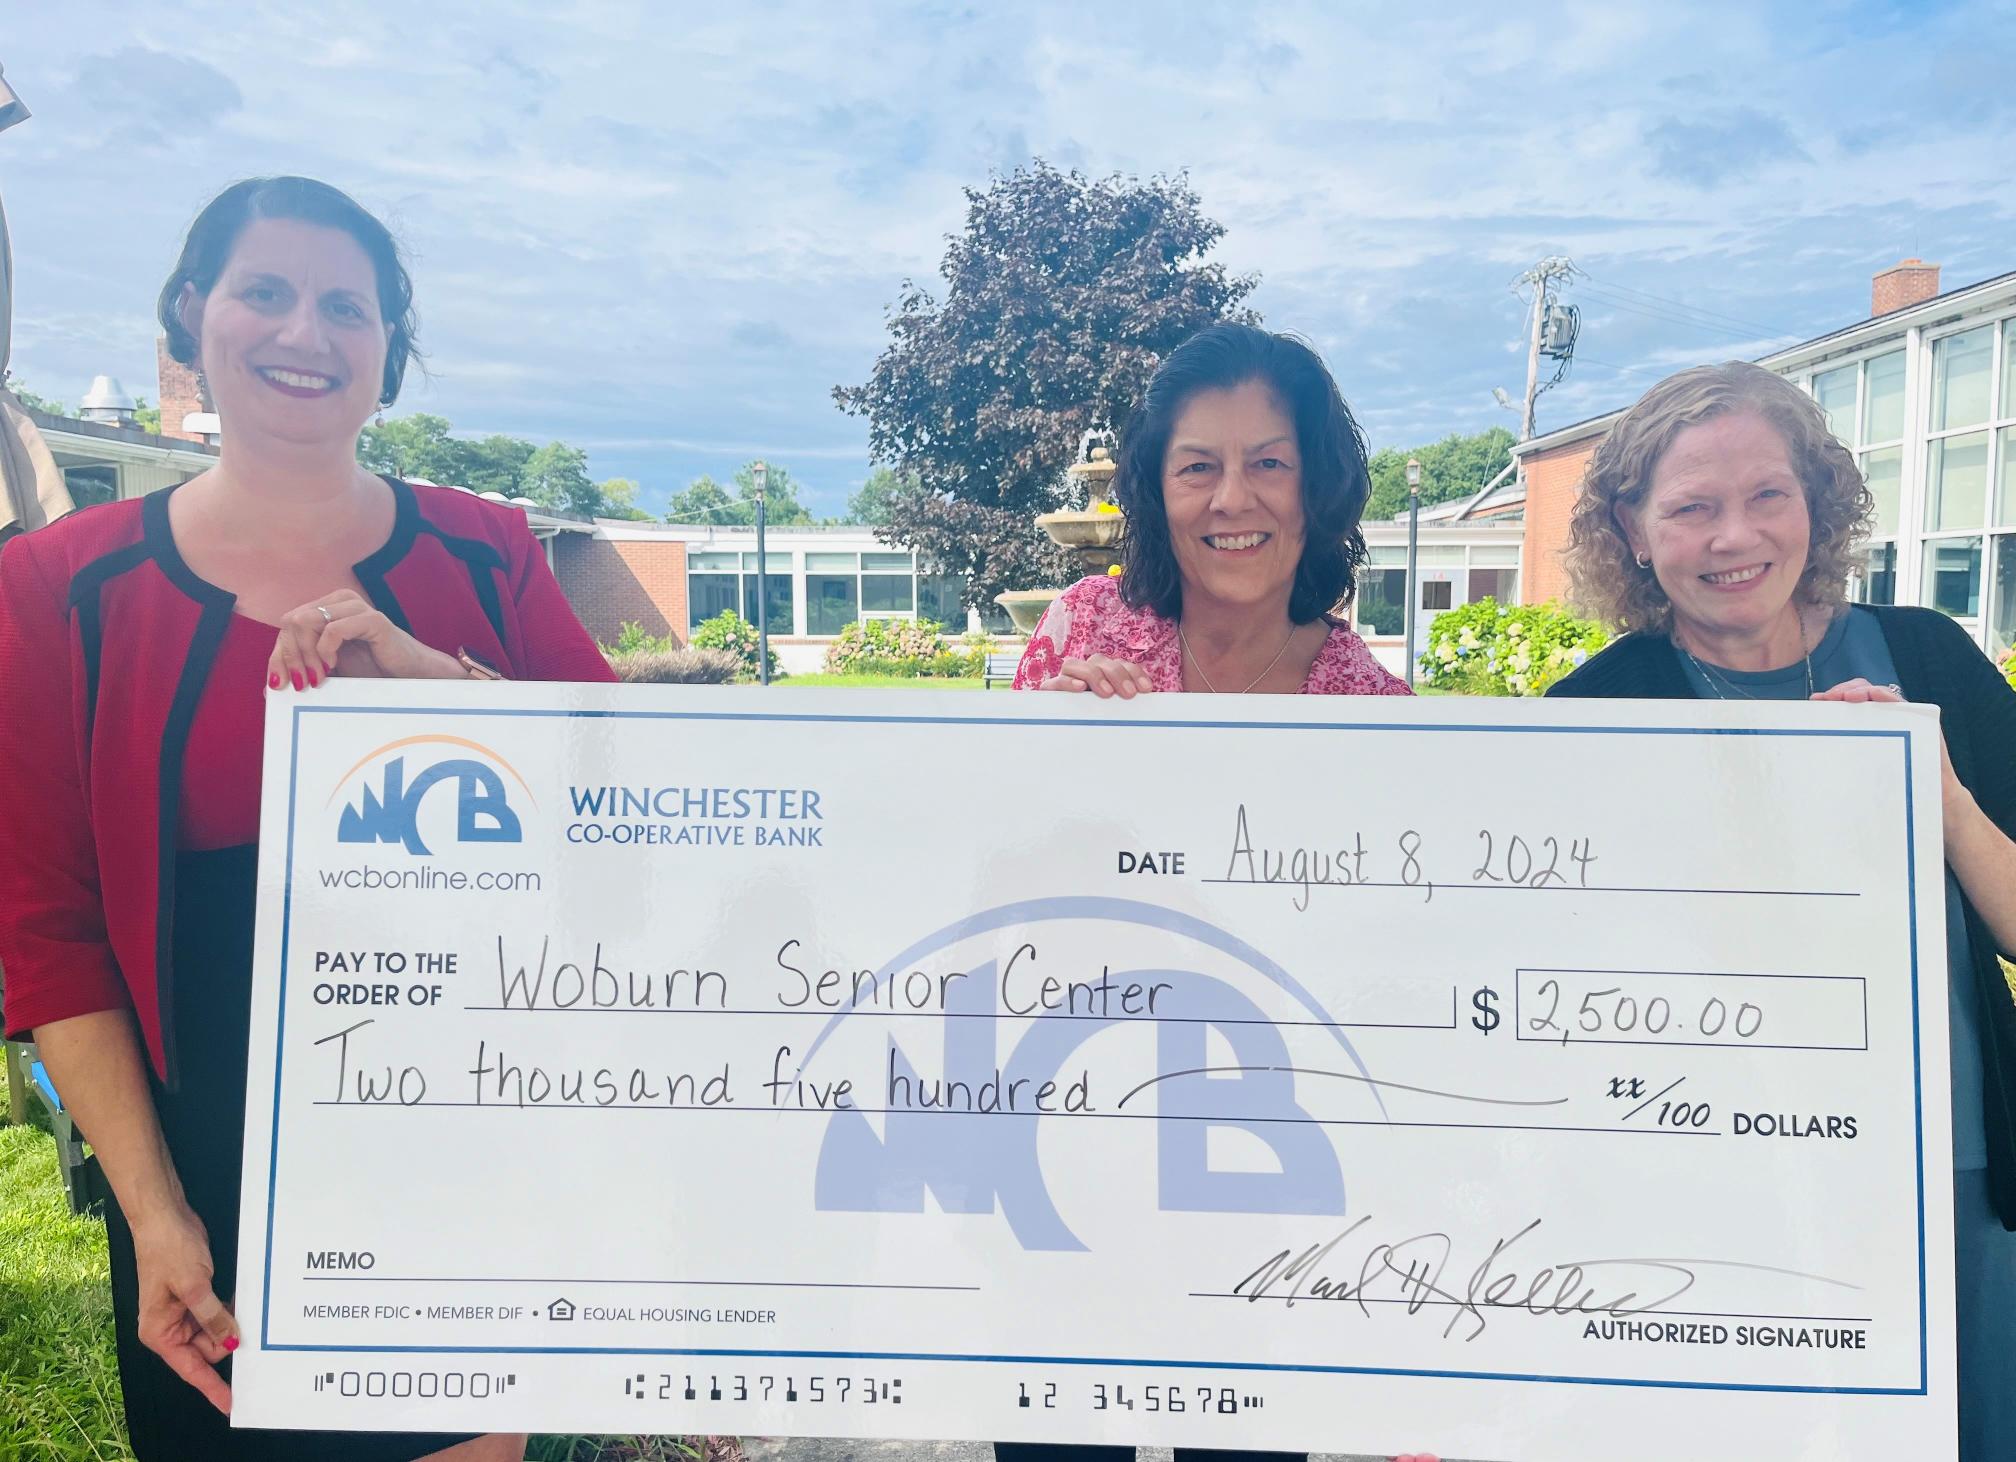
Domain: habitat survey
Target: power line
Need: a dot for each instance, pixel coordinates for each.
(1670, 318)
(1750, 326)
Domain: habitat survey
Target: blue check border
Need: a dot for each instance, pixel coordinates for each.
(300, 714)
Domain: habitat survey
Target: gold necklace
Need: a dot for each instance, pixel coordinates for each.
(1198, 665)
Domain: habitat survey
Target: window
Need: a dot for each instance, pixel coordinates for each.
(90, 486)
(941, 598)
(1953, 576)
(1960, 370)
(1876, 577)
(2002, 627)
(1883, 389)
(722, 579)
(1437, 594)
(1883, 470)
(1381, 608)
(1956, 481)
(1499, 584)
(777, 588)
(832, 601)
(1835, 391)
(887, 594)
(708, 595)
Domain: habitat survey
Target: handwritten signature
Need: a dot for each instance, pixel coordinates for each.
(1412, 1272)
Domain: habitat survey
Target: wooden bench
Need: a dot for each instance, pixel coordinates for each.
(1000, 666)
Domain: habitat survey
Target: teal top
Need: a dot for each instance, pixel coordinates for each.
(1854, 648)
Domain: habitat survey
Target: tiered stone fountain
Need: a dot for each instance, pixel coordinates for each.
(1092, 533)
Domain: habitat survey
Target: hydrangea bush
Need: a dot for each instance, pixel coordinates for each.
(1488, 648)
(903, 647)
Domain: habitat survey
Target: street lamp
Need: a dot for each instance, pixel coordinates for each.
(760, 472)
(1413, 556)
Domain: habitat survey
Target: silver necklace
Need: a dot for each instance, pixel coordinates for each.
(1198, 665)
(1717, 679)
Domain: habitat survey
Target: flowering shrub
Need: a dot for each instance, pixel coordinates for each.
(634, 639)
(902, 647)
(1488, 648)
(731, 632)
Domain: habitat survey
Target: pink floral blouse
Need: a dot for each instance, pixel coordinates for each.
(1089, 618)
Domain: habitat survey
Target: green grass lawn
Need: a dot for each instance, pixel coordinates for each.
(59, 1386)
(59, 1382)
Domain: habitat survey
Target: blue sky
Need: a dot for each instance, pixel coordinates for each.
(664, 232)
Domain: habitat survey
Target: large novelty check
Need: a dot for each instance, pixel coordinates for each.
(1518, 1080)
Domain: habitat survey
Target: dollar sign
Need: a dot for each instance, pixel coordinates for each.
(1487, 1018)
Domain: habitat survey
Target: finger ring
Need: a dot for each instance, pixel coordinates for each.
(323, 610)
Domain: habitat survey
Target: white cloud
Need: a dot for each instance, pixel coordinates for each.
(666, 236)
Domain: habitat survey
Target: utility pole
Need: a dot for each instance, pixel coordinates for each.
(760, 473)
(1540, 277)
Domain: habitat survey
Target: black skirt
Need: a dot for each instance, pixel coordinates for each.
(203, 1120)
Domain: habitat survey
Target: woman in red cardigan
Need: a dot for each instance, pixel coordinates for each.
(138, 642)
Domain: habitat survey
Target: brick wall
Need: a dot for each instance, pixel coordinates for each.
(1553, 479)
(610, 584)
(181, 394)
(1911, 282)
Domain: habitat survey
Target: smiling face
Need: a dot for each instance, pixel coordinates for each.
(292, 341)
(1726, 524)
(1232, 492)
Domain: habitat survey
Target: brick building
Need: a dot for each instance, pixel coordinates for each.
(1923, 391)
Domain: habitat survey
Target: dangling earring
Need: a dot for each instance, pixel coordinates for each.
(381, 417)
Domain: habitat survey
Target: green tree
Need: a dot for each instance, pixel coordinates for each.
(147, 418)
(28, 398)
(877, 497)
(703, 501)
(1456, 466)
(492, 464)
(555, 476)
(413, 446)
(780, 491)
(619, 500)
(707, 501)
(1062, 295)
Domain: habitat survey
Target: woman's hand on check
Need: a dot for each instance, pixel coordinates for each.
(181, 1319)
(1417, 1457)
(1102, 676)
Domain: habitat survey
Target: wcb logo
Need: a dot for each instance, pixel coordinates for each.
(390, 810)
(993, 1165)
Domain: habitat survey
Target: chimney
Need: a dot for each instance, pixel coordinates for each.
(182, 395)
(1911, 282)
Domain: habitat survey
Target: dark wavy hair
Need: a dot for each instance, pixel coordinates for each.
(1335, 478)
(215, 233)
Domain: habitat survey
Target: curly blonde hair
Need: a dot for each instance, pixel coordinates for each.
(1605, 578)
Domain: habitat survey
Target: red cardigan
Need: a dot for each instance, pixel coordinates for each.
(106, 637)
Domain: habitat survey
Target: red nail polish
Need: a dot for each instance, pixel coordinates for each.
(273, 681)
(230, 1342)
(296, 676)
(311, 678)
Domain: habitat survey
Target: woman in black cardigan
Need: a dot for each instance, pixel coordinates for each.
(1715, 526)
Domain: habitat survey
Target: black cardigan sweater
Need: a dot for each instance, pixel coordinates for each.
(1937, 664)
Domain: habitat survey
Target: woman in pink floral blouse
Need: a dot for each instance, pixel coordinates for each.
(1243, 477)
